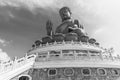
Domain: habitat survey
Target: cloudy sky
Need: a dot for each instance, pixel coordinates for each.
(23, 21)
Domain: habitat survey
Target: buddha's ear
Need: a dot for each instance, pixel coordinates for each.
(77, 23)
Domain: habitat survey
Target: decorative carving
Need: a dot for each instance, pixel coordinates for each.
(47, 40)
(37, 43)
(102, 72)
(58, 37)
(86, 72)
(33, 46)
(92, 40)
(69, 73)
(52, 72)
(114, 72)
(96, 43)
(84, 38)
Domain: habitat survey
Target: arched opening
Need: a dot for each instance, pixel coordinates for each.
(86, 72)
(115, 72)
(52, 72)
(68, 72)
(24, 77)
(102, 72)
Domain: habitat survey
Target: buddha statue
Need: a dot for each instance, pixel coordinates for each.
(49, 29)
(68, 25)
(68, 30)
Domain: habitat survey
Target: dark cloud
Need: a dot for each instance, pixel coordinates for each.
(24, 27)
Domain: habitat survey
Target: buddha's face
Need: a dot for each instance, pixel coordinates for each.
(65, 14)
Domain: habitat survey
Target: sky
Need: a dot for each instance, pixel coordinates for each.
(23, 21)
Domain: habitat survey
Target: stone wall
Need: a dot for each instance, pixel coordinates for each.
(75, 74)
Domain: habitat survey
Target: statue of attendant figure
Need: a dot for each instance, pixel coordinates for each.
(49, 26)
(68, 25)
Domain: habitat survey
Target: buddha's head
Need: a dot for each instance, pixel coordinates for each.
(65, 13)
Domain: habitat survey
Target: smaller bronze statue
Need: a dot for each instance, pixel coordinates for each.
(49, 26)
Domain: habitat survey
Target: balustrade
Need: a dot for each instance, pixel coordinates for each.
(101, 57)
(75, 55)
(17, 63)
(68, 42)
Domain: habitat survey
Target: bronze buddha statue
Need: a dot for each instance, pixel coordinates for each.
(68, 25)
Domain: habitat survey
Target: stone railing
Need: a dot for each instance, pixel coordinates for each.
(67, 42)
(76, 56)
(17, 63)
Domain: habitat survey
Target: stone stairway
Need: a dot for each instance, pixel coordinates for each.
(17, 67)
